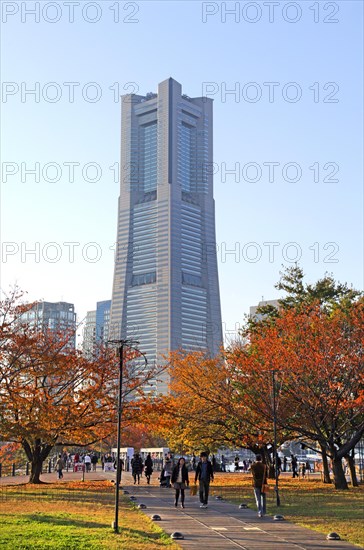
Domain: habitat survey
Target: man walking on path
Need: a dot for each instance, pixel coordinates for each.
(136, 467)
(294, 466)
(259, 471)
(60, 466)
(205, 474)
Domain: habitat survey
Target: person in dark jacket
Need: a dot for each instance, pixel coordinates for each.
(136, 467)
(294, 464)
(60, 466)
(205, 474)
(180, 480)
(260, 473)
(148, 467)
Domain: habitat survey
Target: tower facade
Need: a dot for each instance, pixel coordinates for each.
(55, 317)
(165, 290)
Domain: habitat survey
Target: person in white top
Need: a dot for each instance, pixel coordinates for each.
(87, 461)
(180, 481)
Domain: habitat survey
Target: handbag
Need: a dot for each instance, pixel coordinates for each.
(193, 490)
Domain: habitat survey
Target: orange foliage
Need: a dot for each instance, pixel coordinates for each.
(51, 394)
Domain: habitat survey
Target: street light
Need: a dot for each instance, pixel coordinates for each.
(275, 453)
(132, 345)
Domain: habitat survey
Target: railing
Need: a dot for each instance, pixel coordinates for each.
(14, 469)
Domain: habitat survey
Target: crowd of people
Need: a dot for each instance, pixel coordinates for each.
(176, 475)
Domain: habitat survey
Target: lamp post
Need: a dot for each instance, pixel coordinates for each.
(121, 345)
(275, 453)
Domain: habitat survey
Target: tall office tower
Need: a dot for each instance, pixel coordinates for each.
(53, 316)
(166, 289)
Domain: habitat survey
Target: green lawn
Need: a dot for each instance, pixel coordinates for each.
(47, 517)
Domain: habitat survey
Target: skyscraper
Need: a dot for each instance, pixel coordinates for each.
(96, 328)
(165, 289)
(55, 317)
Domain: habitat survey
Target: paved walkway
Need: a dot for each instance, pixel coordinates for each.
(222, 526)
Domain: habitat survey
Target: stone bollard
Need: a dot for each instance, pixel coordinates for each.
(177, 536)
(333, 536)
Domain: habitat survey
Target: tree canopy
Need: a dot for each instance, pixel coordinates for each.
(53, 395)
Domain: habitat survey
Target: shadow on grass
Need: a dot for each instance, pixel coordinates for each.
(138, 534)
(43, 518)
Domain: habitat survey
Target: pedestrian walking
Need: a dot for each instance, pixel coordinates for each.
(148, 467)
(168, 469)
(180, 481)
(285, 464)
(223, 463)
(193, 462)
(87, 461)
(94, 461)
(294, 466)
(204, 474)
(136, 467)
(60, 465)
(236, 463)
(259, 471)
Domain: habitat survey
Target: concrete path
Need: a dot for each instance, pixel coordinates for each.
(222, 525)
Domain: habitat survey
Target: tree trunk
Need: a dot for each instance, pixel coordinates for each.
(351, 463)
(36, 452)
(325, 465)
(339, 476)
(36, 471)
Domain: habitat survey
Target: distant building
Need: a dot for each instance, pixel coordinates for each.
(96, 330)
(89, 334)
(102, 321)
(55, 317)
(259, 316)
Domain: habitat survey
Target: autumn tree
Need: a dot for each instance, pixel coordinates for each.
(205, 410)
(317, 359)
(51, 395)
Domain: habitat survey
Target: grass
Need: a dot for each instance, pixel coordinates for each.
(72, 518)
(309, 503)
(78, 515)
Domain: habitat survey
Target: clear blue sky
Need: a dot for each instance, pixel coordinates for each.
(195, 43)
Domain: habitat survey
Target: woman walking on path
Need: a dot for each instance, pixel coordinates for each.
(180, 481)
(259, 471)
(148, 467)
